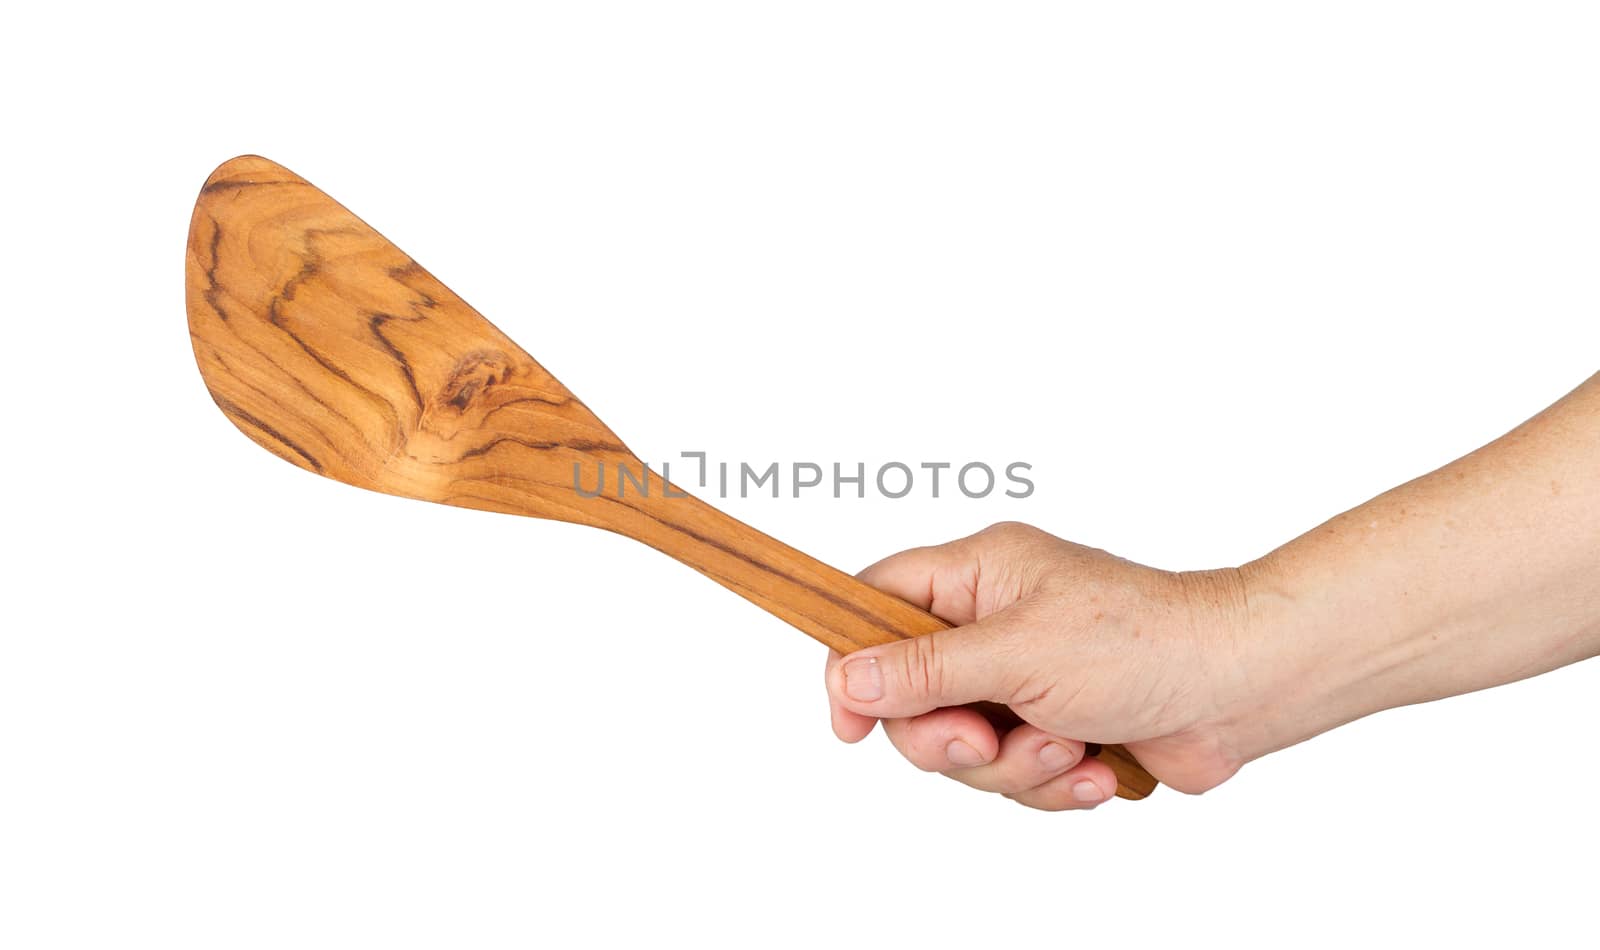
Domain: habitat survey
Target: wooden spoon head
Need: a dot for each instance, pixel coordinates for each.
(332, 349)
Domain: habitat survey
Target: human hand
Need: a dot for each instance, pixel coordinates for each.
(1083, 646)
(1478, 574)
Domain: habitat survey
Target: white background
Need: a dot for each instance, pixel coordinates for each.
(1217, 270)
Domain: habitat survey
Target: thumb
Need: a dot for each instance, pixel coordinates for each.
(945, 668)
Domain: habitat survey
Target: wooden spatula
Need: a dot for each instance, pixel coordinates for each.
(333, 350)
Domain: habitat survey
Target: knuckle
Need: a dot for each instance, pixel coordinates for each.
(1009, 530)
(917, 746)
(923, 671)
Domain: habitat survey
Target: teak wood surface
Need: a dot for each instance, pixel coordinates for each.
(333, 350)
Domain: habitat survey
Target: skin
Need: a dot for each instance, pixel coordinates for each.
(1481, 573)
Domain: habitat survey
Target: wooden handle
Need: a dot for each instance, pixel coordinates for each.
(823, 602)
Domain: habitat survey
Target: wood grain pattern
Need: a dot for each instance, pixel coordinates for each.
(328, 346)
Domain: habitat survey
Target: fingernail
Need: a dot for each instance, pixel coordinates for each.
(1054, 755)
(962, 755)
(863, 679)
(1086, 791)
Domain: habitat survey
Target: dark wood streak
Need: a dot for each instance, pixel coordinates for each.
(235, 412)
(227, 183)
(542, 400)
(577, 445)
(333, 410)
(213, 290)
(375, 322)
(308, 269)
(412, 269)
(726, 548)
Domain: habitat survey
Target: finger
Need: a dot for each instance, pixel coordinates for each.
(848, 726)
(968, 579)
(944, 739)
(946, 668)
(1028, 757)
(1086, 785)
(942, 579)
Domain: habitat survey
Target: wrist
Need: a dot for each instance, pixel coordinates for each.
(1313, 650)
(1229, 660)
(1269, 666)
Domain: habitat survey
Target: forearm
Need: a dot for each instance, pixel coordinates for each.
(1483, 572)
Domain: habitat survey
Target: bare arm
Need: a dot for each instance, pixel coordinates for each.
(1483, 572)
